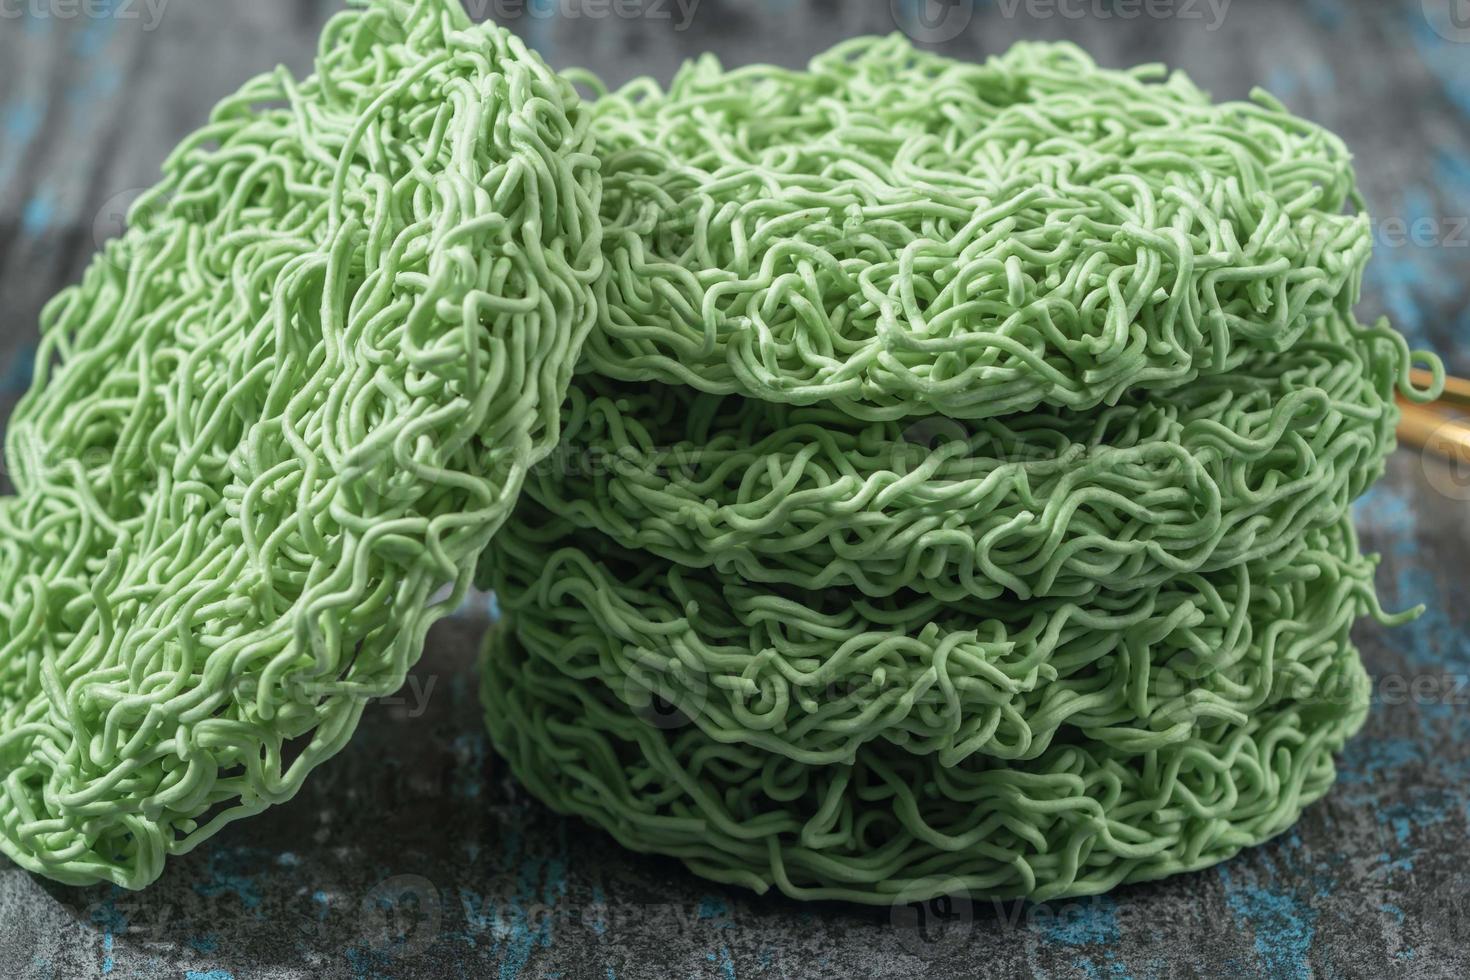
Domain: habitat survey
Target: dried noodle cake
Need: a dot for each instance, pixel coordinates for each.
(899, 233)
(1124, 798)
(955, 498)
(275, 425)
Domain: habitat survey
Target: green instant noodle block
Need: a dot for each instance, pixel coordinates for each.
(955, 491)
(1083, 816)
(1232, 467)
(274, 422)
(816, 676)
(898, 233)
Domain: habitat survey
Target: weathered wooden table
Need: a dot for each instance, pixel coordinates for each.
(413, 853)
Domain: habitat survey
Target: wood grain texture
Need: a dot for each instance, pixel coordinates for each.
(413, 854)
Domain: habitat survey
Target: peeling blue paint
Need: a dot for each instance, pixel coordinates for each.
(21, 121)
(1445, 58)
(1110, 969)
(599, 921)
(39, 213)
(472, 749)
(226, 878)
(724, 962)
(540, 30)
(1283, 925)
(18, 376)
(713, 907)
(515, 928)
(1083, 922)
(1328, 13)
(111, 921)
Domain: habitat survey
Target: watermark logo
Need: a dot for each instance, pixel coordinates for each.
(397, 474)
(678, 15)
(665, 693)
(111, 221)
(410, 701)
(149, 13)
(929, 440)
(1446, 459)
(1210, 13)
(401, 916)
(141, 207)
(932, 21)
(1450, 19)
(933, 917)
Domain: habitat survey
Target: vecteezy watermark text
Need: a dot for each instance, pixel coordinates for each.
(1425, 232)
(150, 12)
(679, 12)
(1211, 12)
(936, 21)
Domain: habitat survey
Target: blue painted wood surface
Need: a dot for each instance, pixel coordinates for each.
(413, 854)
